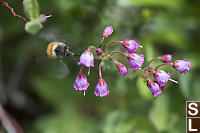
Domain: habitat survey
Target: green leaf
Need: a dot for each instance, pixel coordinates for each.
(159, 114)
(53, 91)
(117, 122)
(31, 9)
(65, 120)
(33, 27)
(145, 127)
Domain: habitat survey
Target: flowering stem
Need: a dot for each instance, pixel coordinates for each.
(101, 42)
(112, 58)
(100, 65)
(153, 60)
(92, 47)
(119, 53)
(100, 76)
(12, 10)
(97, 57)
(163, 65)
(149, 70)
(147, 76)
(81, 68)
(108, 45)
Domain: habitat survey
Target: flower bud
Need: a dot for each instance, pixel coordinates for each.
(122, 69)
(87, 59)
(166, 58)
(81, 82)
(101, 88)
(183, 66)
(99, 51)
(107, 31)
(161, 77)
(42, 18)
(154, 88)
(135, 60)
(131, 45)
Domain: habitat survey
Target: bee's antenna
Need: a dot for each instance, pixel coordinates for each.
(74, 54)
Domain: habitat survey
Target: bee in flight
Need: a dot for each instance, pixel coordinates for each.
(58, 50)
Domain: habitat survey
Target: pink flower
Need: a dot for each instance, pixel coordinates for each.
(136, 61)
(101, 88)
(161, 77)
(87, 59)
(166, 58)
(122, 69)
(81, 82)
(107, 31)
(131, 45)
(183, 66)
(154, 88)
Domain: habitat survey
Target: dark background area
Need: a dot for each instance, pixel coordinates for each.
(42, 103)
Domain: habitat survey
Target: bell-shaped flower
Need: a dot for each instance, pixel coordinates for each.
(81, 82)
(131, 45)
(122, 69)
(161, 77)
(136, 61)
(87, 59)
(154, 88)
(101, 88)
(183, 66)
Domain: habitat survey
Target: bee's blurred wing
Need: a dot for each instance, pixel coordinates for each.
(62, 70)
(53, 34)
(53, 67)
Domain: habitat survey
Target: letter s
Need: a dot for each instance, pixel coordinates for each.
(193, 108)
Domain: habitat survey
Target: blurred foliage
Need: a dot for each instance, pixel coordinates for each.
(160, 26)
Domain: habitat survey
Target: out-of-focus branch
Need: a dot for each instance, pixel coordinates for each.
(9, 123)
(12, 10)
(15, 96)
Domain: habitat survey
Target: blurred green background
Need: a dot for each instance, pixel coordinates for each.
(42, 103)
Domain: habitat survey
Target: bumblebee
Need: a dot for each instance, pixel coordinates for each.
(58, 50)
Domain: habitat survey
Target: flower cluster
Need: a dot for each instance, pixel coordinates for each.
(135, 61)
(161, 77)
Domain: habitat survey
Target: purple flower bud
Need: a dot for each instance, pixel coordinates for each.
(87, 59)
(81, 82)
(166, 58)
(101, 88)
(161, 77)
(135, 61)
(42, 18)
(99, 51)
(183, 66)
(131, 45)
(122, 69)
(107, 31)
(154, 88)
